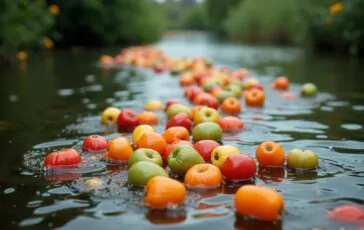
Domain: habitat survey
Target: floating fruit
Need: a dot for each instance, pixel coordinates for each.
(239, 167)
(254, 97)
(221, 153)
(127, 119)
(175, 109)
(139, 131)
(347, 213)
(145, 155)
(207, 131)
(203, 176)
(66, 158)
(281, 83)
(259, 202)
(119, 150)
(308, 89)
(231, 105)
(177, 133)
(152, 140)
(181, 119)
(141, 172)
(270, 154)
(231, 124)
(110, 115)
(302, 159)
(182, 158)
(205, 148)
(154, 105)
(94, 143)
(148, 118)
(206, 114)
(162, 192)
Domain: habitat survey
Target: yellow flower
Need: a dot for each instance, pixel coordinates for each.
(54, 9)
(336, 8)
(22, 55)
(48, 43)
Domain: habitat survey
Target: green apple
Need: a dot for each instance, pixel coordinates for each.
(221, 96)
(221, 153)
(140, 172)
(182, 158)
(235, 89)
(209, 85)
(302, 159)
(207, 131)
(145, 155)
(206, 114)
(308, 89)
(176, 109)
(237, 82)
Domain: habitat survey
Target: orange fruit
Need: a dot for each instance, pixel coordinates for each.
(148, 118)
(176, 133)
(163, 191)
(259, 202)
(270, 154)
(203, 176)
(254, 97)
(152, 140)
(231, 105)
(186, 79)
(119, 149)
(281, 83)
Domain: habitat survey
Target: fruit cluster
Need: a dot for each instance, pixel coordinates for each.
(204, 162)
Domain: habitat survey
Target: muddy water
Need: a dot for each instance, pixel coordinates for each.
(55, 99)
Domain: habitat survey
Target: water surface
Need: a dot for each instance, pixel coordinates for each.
(55, 100)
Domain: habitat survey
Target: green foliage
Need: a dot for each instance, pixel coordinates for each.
(342, 31)
(217, 11)
(266, 21)
(195, 18)
(23, 24)
(99, 22)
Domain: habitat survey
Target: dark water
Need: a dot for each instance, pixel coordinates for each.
(55, 99)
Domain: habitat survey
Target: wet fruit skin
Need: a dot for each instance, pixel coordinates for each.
(180, 119)
(172, 102)
(153, 105)
(239, 167)
(145, 155)
(231, 124)
(162, 192)
(141, 172)
(254, 97)
(183, 158)
(302, 159)
(152, 140)
(270, 154)
(207, 131)
(127, 119)
(110, 115)
(139, 131)
(191, 92)
(203, 176)
(259, 202)
(119, 149)
(205, 148)
(94, 143)
(347, 213)
(148, 118)
(231, 105)
(170, 147)
(308, 90)
(65, 158)
(175, 109)
(206, 114)
(281, 83)
(207, 100)
(177, 133)
(221, 153)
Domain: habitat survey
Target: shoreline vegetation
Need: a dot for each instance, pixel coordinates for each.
(325, 25)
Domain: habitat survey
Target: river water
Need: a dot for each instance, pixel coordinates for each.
(55, 99)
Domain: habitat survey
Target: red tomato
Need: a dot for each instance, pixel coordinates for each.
(239, 167)
(65, 158)
(230, 123)
(94, 143)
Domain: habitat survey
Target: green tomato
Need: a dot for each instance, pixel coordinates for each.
(302, 159)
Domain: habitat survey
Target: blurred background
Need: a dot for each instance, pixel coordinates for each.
(326, 25)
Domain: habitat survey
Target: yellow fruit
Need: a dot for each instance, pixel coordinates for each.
(110, 115)
(140, 130)
(221, 153)
(154, 105)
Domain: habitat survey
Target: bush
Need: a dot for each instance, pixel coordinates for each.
(337, 25)
(23, 24)
(266, 21)
(195, 18)
(103, 22)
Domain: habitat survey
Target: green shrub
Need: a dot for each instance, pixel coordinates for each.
(266, 21)
(195, 18)
(104, 22)
(23, 24)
